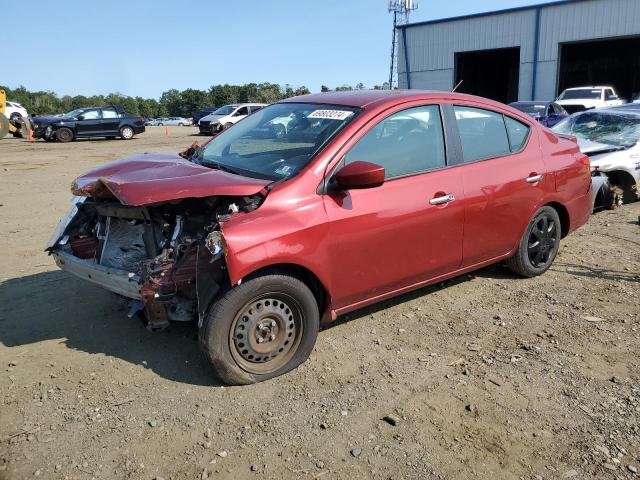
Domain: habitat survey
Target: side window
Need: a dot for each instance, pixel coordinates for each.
(518, 133)
(559, 109)
(91, 114)
(255, 108)
(482, 133)
(241, 111)
(406, 142)
(109, 113)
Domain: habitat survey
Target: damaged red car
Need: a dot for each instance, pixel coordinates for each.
(317, 206)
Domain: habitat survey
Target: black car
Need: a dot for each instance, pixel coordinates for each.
(109, 122)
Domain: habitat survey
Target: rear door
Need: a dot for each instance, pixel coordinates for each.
(503, 179)
(110, 121)
(407, 230)
(91, 123)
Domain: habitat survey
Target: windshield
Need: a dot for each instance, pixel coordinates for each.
(530, 108)
(226, 110)
(74, 113)
(581, 93)
(277, 141)
(610, 129)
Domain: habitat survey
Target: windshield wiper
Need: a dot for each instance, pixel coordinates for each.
(220, 166)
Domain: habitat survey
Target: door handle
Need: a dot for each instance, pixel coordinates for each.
(534, 178)
(443, 199)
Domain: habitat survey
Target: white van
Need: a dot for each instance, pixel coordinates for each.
(226, 116)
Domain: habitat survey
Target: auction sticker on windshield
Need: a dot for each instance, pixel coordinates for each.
(330, 114)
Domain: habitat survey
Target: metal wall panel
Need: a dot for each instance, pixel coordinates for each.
(432, 47)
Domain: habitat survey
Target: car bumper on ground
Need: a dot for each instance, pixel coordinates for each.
(117, 281)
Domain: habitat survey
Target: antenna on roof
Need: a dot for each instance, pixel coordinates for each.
(401, 10)
(456, 87)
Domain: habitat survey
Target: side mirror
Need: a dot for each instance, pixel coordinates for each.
(360, 175)
(613, 97)
(80, 117)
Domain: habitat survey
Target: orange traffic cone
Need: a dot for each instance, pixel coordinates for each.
(167, 132)
(30, 135)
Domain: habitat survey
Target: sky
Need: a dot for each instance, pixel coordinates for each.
(144, 47)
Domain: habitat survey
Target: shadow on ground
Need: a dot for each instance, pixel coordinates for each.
(54, 305)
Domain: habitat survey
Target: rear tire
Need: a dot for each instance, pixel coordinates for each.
(263, 328)
(539, 245)
(126, 133)
(64, 135)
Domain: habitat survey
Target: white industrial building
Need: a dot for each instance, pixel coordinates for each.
(526, 53)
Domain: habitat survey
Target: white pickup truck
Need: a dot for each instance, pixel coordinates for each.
(585, 98)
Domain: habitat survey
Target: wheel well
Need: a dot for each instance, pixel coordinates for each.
(624, 181)
(301, 273)
(563, 213)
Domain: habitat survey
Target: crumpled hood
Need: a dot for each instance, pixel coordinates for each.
(589, 147)
(149, 178)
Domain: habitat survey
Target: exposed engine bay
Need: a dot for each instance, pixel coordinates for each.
(168, 259)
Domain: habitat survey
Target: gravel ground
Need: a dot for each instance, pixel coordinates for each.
(485, 376)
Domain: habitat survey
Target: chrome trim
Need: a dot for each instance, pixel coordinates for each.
(535, 178)
(440, 200)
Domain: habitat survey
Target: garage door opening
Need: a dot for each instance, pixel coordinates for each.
(489, 73)
(614, 62)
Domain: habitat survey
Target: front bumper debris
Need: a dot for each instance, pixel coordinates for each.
(117, 281)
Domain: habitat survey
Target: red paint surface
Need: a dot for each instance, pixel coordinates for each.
(370, 244)
(154, 178)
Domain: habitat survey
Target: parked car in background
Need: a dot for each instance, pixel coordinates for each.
(585, 98)
(150, 122)
(260, 240)
(14, 110)
(202, 112)
(184, 122)
(226, 116)
(109, 122)
(611, 139)
(547, 113)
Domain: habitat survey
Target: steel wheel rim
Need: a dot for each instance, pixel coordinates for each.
(265, 333)
(127, 132)
(542, 241)
(64, 135)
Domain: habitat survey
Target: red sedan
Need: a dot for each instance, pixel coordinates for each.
(319, 205)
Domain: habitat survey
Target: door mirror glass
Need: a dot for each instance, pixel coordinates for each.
(360, 174)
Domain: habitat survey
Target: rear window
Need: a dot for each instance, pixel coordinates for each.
(482, 133)
(517, 133)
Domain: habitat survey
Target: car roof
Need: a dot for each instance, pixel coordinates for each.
(589, 87)
(374, 98)
(530, 102)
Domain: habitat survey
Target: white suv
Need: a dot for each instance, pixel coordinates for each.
(226, 116)
(585, 98)
(15, 110)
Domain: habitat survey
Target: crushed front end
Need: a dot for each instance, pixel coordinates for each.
(167, 259)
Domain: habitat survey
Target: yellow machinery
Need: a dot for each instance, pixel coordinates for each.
(18, 128)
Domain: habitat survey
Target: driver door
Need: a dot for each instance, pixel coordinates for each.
(91, 123)
(407, 230)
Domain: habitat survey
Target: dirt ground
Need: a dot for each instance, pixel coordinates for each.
(486, 376)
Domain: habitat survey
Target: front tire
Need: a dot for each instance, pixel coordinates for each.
(64, 135)
(539, 244)
(126, 133)
(263, 328)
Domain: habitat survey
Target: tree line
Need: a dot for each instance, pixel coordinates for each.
(172, 103)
